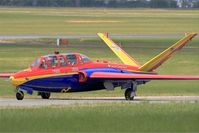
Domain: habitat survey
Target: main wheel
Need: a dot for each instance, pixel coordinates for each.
(129, 94)
(20, 95)
(45, 95)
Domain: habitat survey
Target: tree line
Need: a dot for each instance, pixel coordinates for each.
(101, 3)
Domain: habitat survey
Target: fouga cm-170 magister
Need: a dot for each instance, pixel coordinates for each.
(74, 72)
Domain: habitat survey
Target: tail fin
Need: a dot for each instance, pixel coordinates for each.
(166, 54)
(124, 57)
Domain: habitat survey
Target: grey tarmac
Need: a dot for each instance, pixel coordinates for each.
(7, 102)
(34, 36)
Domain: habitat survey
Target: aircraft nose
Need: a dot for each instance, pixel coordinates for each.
(12, 79)
(15, 81)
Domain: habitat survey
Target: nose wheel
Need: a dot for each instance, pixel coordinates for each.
(20, 95)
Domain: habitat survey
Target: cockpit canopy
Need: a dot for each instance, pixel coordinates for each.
(60, 60)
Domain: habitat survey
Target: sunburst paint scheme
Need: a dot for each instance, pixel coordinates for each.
(74, 72)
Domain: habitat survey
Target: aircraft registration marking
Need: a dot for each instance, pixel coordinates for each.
(116, 66)
(56, 71)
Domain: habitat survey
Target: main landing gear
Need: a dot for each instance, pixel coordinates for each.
(130, 93)
(44, 95)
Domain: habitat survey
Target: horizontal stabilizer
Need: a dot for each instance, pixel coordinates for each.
(165, 55)
(123, 56)
(120, 76)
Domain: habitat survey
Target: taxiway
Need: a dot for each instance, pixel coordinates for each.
(4, 102)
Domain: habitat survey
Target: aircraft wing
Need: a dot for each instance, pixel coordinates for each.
(5, 75)
(121, 76)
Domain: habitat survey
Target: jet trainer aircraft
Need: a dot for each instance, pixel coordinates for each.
(74, 72)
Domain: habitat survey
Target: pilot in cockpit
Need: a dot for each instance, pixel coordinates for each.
(43, 64)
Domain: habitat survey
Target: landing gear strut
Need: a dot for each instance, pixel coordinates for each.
(19, 95)
(130, 93)
(45, 95)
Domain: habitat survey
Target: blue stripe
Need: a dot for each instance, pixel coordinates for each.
(57, 83)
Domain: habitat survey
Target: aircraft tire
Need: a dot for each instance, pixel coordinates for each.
(129, 94)
(45, 95)
(20, 95)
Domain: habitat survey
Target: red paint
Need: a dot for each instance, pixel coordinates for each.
(82, 77)
(141, 76)
(37, 71)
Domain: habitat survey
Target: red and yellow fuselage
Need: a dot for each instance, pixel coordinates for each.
(67, 77)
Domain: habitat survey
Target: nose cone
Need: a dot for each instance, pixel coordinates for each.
(20, 77)
(17, 81)
(14, 81)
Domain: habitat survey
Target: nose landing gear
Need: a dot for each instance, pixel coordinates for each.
(19, 95)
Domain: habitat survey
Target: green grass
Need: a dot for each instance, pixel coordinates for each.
(112, 117)
(52, 20)
(17, 57)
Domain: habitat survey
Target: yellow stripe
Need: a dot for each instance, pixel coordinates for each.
(124, 57)
(140, 71)
(166, 54)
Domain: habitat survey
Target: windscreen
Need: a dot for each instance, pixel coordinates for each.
(36, 62)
